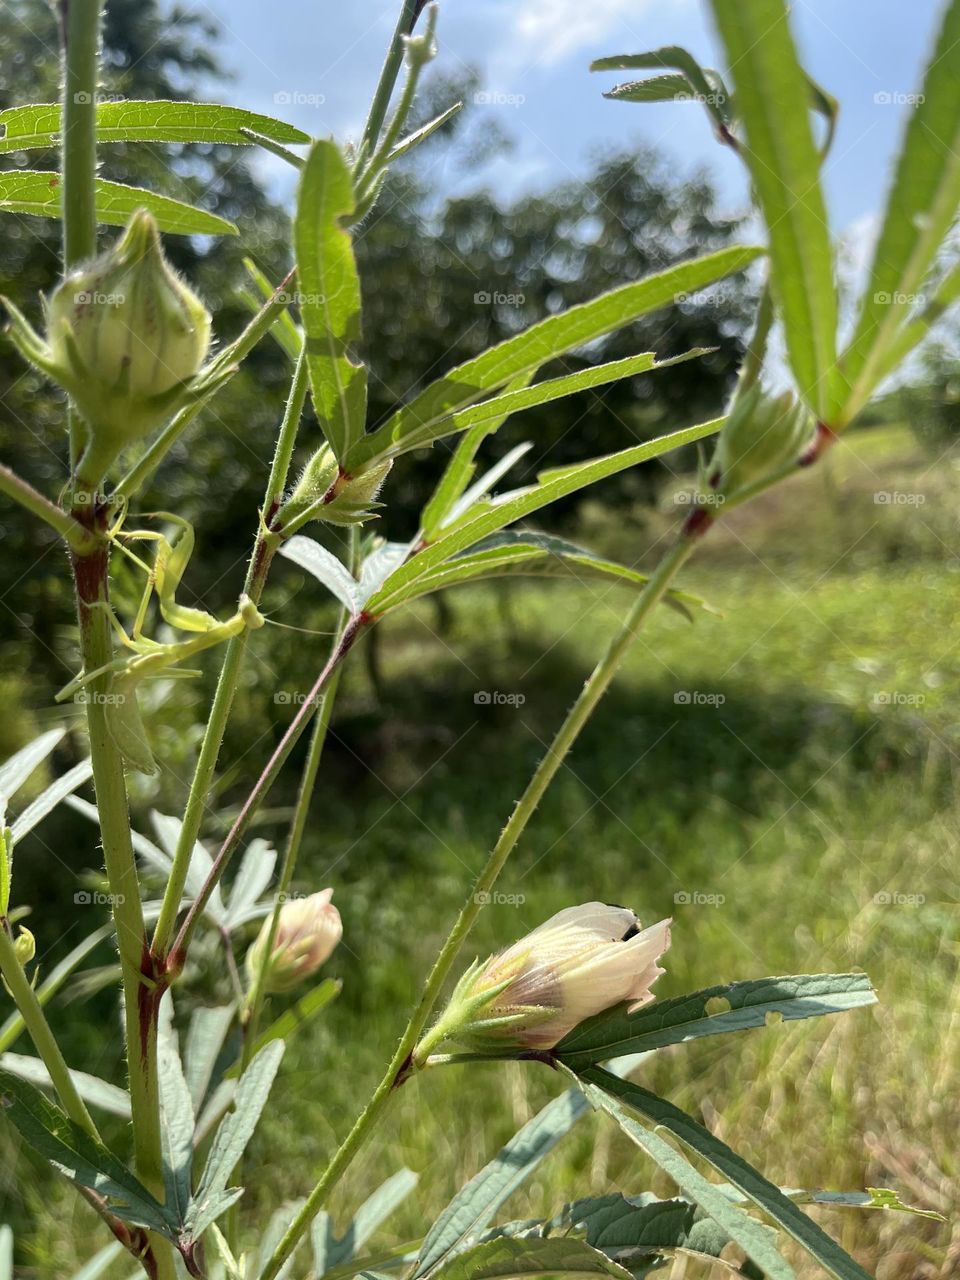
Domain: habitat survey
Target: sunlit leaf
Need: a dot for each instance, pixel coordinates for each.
(38, 192)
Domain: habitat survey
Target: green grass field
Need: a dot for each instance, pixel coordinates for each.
(780, 777)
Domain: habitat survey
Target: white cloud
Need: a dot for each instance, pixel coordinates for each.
(547, 31)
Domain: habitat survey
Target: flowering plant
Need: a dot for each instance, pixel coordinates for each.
(128, 342)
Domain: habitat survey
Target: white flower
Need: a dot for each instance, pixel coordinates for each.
(578, 963)
(307, 933)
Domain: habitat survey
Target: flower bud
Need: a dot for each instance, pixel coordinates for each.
(307, 933)
(349, 497)
(762, 433)
(125, 334)
(25, 946)
(580, 962)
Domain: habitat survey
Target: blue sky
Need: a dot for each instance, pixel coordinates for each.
(314, 63)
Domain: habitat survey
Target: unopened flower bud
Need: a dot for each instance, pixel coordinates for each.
(124, 336)
(348, 497)
(307, 933)
(25, 946)
(580, 962)
(762, 433)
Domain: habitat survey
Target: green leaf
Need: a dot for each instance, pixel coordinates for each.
(80, 1157)
(285, 332)
(604, 1091)
(38, 192)
(703, 83)
(48, 800)
(671, 88)
(772, 94)
(205, 1036)
(743, 1005)
(474, 1206)
(97, 1092)
(38, 125)
(235, 1131)
(530, 1256)
(176, 1128)
(99, 1263)
(921, 209)
(767, 1197)
(461, 469)
(913, 332)
(527, 351)
(491, 515)
(326, 568)
(624, 1227)
(538, 555)
(253, 876)
(872, 1198)
(296, 1017)
(330, 297)
(329, 1252)
(491, 413)
(6, 1253)
(420, 135)
(15, 771)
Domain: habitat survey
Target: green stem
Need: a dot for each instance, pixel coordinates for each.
(308, 782)
(756, 351)
(251, 805)
(409, 12)
(77, 538)
(80, 40)
(140, 995)
(403, 1059)
(38, 1028)
(259, 567)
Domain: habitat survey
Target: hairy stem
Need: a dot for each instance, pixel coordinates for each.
(140, 994)
(409, 12)
(403, 1062)
(257, 571)
(80, 45)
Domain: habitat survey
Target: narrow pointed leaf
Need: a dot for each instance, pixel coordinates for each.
(176, 1128)
(493, 412)
(252, 878)
(921, 208)
(48, 800)
(606, 1093)
(15, 771)
(99, 1263)
(492, 515)
(772, 94)
(38, 192)
(205, 1038)
(330, 297)
(737, 1006)
(78, 1156)
(767, 1197)
(473, 1207)
(235, 1131)
(571, 329)
(298, 1016)
(98, 1093)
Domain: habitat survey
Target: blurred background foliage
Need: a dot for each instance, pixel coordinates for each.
(824, 777)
